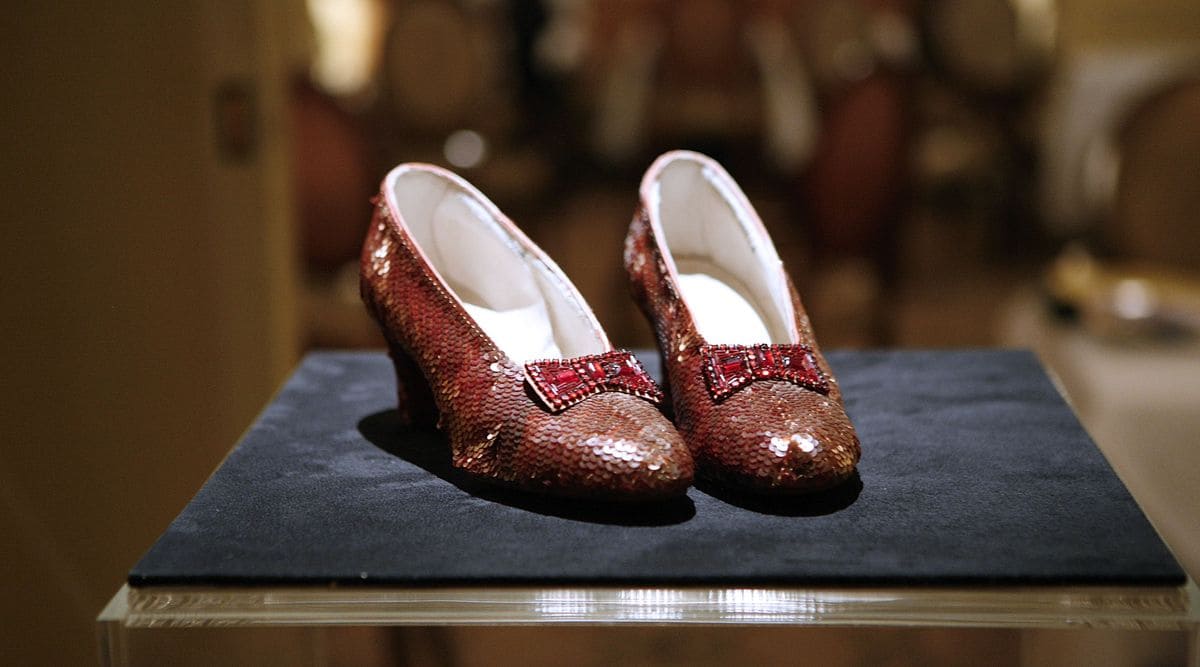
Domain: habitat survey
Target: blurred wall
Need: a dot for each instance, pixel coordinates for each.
(147, 292)
(1087, 24)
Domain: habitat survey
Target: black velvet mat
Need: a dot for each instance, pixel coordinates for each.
(974, 471)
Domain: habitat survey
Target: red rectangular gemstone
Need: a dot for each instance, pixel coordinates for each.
(764, 356)
(732, 364)
(594, 371)
(561, 381)
(792, 359)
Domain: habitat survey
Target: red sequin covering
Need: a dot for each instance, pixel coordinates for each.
(612, 446)
(756, 418)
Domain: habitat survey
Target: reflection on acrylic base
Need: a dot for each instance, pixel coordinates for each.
(1129, 608)
(309, 625)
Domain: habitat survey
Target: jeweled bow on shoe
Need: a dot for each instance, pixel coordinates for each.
(728, 368)
(561, 383)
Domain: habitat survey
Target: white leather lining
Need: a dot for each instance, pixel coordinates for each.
(729, 273)
(516, 295)
(722, 313)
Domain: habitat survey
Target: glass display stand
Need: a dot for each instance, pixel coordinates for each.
(134, 613)
(245, 526)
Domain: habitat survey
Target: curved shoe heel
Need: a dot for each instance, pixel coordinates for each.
(414, 399)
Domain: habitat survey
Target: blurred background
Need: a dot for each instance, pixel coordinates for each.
(185, 190)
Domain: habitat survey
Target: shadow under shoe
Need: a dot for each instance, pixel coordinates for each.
(426, 448)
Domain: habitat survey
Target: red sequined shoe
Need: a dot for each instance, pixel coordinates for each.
(754, 398)
(491, 339)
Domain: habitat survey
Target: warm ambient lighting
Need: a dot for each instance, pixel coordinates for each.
(465, 149)
(347, 35)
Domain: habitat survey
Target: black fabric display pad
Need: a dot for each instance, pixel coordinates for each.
(974, 471)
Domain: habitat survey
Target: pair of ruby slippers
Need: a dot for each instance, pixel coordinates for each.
(492, 341)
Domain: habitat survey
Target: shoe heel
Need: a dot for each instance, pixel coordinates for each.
(414, 405)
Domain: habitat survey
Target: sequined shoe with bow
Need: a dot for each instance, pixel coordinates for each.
(489, 338)
(753, 396)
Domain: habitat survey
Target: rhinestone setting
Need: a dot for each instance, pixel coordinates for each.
(729, 368)
(561, 383)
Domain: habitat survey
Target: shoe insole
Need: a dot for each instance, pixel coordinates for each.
(496, 286)
(524, 334)
(720, 306)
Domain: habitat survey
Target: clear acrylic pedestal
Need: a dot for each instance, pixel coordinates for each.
(147, 625)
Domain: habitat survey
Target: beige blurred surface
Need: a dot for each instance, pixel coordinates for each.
(147, 292)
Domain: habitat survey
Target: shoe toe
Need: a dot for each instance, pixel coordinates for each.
(785, 439)
(615, 447)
